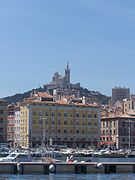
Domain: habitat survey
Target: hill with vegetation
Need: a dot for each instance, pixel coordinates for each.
(91, 96)
(94, 96)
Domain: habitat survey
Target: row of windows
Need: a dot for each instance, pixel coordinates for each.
(125, 132)
(128, 124)
(127, 140)
(106, 132)
(65, 123)
(67, 115)
(10, 129)
(108, 123)
(17, 121)
(23, 112)
(113, 123)
(17, 129)
(106, 139)
(59, 139)
(61, 131)
(71, 131)
(17, 115)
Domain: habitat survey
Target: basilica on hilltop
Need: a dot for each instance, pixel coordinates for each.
(62, 86)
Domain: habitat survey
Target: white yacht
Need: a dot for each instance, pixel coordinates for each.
(17, 157)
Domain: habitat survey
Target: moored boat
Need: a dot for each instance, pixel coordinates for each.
(17, 157)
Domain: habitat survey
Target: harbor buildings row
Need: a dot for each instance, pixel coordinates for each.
(118, 124)
(43, 120)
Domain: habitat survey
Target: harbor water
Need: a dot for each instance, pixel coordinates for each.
(69, 177)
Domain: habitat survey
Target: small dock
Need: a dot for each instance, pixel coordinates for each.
(77, 168)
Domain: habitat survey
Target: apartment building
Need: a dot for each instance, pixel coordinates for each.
(118, 130)
(118, 94)
(17, 127)
(3, 121)
(44, 121)
(124, 106)
(10, 124)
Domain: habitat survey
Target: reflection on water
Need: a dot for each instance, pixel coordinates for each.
(69, 177)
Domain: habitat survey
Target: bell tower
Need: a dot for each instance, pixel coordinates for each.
(67, 74)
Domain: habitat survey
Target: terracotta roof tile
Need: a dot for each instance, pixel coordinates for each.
(44, 94)
(61, 102)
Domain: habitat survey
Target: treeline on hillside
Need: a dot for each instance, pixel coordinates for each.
(92, 96)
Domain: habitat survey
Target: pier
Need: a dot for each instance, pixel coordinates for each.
(77, 167)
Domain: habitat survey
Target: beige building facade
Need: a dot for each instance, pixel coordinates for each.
(59, 123)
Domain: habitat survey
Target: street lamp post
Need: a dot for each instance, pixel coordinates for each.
(129, 133)
(44, 130)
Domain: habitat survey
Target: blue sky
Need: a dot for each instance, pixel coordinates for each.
(37, 37)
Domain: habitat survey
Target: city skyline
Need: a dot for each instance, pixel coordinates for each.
(37, 38)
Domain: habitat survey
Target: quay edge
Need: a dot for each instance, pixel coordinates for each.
(64, 167)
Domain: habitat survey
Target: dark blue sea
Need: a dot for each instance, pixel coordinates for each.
(69, 177)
